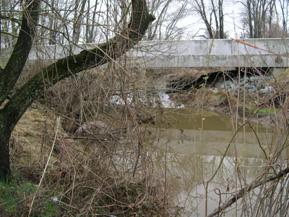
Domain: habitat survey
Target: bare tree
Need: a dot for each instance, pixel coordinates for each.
(169, 14)
(78, 19)
(258, 17)
(284, 6)
(212, 15)
(9, 22)
(14, 102)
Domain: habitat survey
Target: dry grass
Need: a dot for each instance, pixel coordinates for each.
(103, 172)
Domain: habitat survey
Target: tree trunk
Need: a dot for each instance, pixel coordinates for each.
(5, 134)
(12, 108)
(8, 120)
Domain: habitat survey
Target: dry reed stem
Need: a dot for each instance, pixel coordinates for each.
(46, 166)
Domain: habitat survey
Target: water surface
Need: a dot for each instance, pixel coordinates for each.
(193, 145)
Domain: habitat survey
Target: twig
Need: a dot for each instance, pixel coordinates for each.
(247, 189)
(46, 166)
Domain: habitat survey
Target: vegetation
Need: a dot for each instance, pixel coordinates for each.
(16, 195)
(91, 134)
(14, 107)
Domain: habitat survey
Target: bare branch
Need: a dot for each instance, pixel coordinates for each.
(65, 67)
(17, 60)
(12, 19)
(247, 189)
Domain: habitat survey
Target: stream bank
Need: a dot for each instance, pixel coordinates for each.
(255, 94)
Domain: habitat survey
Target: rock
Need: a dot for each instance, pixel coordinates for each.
(266, 90)
(92, 128)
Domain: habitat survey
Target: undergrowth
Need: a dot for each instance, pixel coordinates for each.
(15, 198)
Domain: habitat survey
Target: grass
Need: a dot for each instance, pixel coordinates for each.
(13, 193)
(266, 111)
(33, 133)
(15, 199)
(50, 209)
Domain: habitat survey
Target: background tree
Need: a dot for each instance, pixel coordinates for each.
(14, 102)
(169, 13)
(284, 6)
(9, 23)
(258, 17)
(212, 15)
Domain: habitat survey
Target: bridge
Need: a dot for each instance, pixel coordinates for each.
(218, 53)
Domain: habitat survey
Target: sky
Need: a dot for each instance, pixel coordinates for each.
(232, 21)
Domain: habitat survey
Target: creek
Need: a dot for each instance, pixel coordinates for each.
(197, 144)
(193, 147)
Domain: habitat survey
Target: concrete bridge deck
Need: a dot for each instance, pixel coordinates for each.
(219, 53)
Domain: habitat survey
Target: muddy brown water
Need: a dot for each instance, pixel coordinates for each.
(194, 144)
(189, 148)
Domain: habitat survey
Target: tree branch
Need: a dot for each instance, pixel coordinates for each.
(17, 60)
(65, 67)
(12, 19)
(247, 189)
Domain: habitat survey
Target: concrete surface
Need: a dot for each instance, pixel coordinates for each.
(187, 54)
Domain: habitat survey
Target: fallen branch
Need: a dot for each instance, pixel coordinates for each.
(247, 189)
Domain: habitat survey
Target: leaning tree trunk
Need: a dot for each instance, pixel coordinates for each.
(13, 107)
(9, 116)
(4, 153)
(9, 76)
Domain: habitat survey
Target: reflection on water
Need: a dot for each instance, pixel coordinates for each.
(190, 148)
(194, 145)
